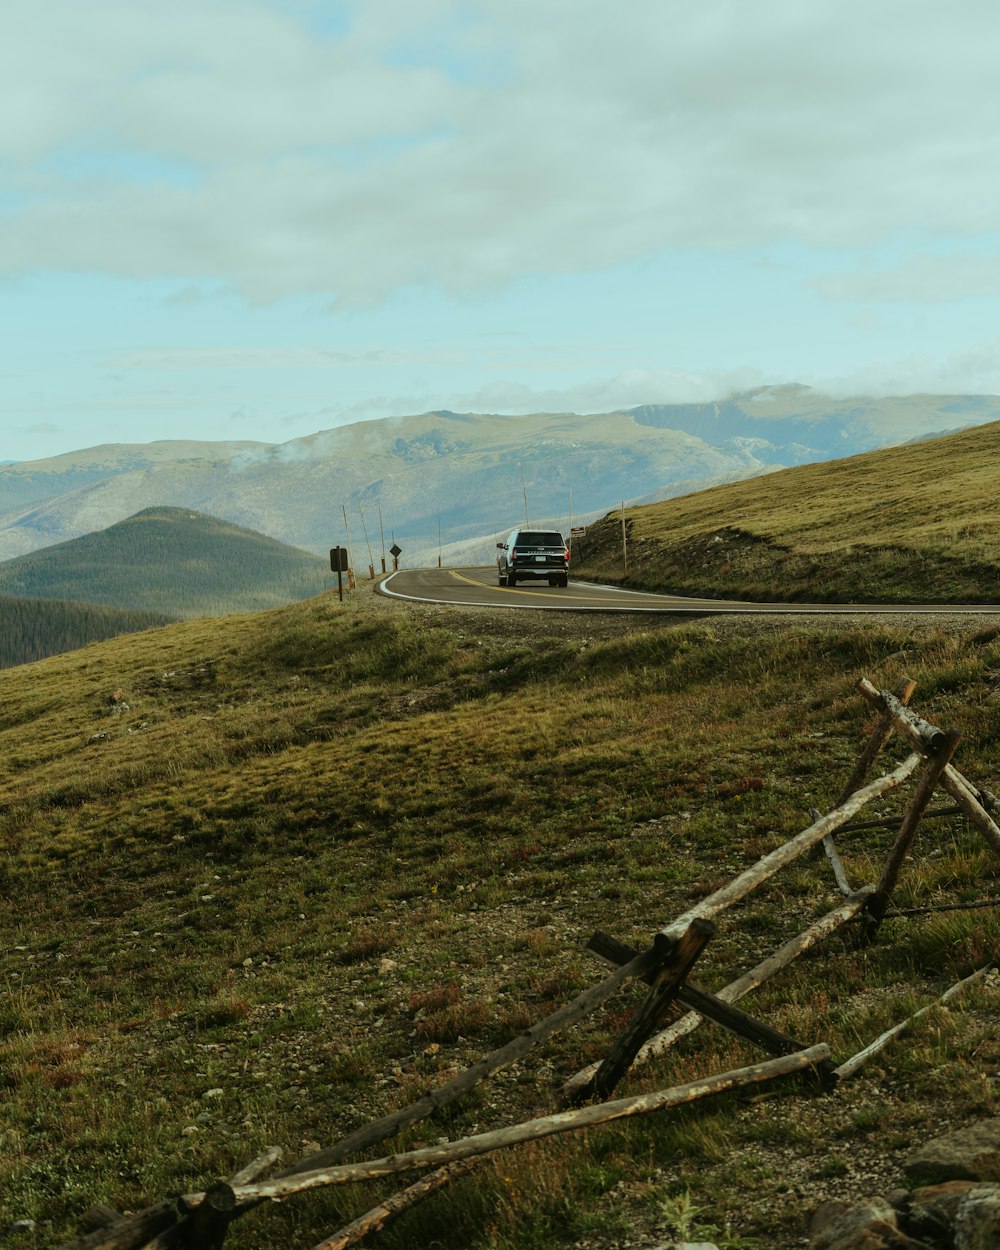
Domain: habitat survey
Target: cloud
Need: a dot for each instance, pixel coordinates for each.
(971, 370)
(924, 279)
(296, 358)
(467, 144)
(627, 389)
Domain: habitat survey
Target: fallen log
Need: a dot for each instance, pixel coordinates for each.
(395, 1205)
(581, 1006)
(789, 851)
(850, 1066)
(531, 1130)
(131, 1231)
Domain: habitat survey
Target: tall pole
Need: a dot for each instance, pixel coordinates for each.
(381, 531)
(524, 492)
(371, 559)
(439, 540)
(347, 535)
(624, 542)
(569, 535)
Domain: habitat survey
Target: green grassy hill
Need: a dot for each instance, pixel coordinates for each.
(907, 524)
(171, 561)
(268, 877)
(31, 629)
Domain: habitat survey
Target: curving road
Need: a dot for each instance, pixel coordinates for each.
(477, 587)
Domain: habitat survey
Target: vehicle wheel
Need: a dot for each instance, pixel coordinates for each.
(564, 580)
(511, 577)
(501, 580)
(553, 581)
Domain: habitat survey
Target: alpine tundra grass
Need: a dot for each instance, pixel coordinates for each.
(271, 876)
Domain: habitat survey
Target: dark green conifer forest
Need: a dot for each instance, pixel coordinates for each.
(31, 629)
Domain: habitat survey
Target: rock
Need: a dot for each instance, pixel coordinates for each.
(866, 1225)
(969, 1154)
(977, 1223)
(19, 1226)
(929, 1213)
(687, 1245)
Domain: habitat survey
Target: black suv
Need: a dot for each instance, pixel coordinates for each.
(533, 553)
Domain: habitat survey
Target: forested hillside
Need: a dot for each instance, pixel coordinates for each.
(31, 629)
(171, 561)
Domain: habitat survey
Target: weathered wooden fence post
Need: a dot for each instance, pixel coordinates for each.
(680, 958)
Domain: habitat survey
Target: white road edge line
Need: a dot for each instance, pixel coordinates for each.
(835, 609)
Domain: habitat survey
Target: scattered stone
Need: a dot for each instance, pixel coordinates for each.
(977, 1224)
(19, 1226)
(930, 1212)
(687, 1245)
(213, 1093)
(961, 1212)
(867, 1225)
(387, 965)
(968, 1154)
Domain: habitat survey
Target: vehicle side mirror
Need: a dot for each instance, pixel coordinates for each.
(499, 546)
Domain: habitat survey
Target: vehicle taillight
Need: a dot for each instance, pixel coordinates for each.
(566, 554)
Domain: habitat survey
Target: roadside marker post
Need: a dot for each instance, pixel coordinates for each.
(338, 563)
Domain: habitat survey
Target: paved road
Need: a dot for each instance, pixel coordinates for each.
(478, 587)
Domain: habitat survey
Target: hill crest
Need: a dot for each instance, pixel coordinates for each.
(173, 561)
(462, 476)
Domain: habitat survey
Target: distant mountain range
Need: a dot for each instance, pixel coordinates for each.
(450, 482)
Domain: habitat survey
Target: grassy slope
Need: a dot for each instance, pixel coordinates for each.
(906, 524)
(326, 853)
(169, 560)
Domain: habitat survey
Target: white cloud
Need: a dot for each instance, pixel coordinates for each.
(924, 279)
(628, 389)
(295, 358)
(466, 144)
(972, 370)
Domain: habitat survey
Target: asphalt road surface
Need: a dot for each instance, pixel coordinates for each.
(478, 587)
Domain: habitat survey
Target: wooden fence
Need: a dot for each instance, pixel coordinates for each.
(200, 1220)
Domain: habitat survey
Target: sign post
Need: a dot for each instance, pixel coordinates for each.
(338, 562)
(395, 551)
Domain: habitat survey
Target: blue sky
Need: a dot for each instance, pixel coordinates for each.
(232, 219)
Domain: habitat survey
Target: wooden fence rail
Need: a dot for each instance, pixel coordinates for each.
(199, 1221)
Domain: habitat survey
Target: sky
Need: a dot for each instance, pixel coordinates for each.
(238, 219)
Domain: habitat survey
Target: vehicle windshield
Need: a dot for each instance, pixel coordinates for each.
(539, 538)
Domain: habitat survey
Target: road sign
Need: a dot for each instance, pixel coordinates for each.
(339, 564)
(395, 551)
